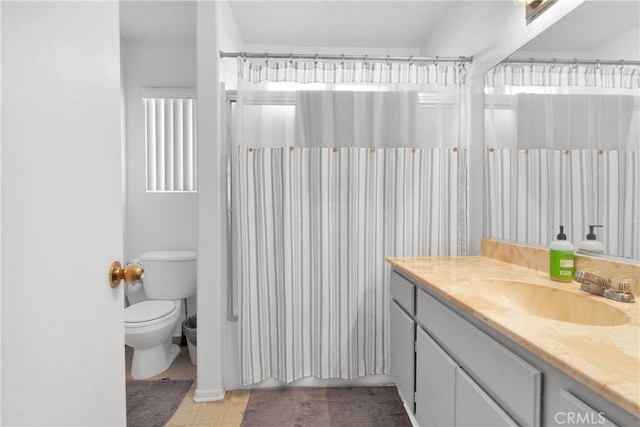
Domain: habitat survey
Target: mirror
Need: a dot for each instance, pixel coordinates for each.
(562, 134)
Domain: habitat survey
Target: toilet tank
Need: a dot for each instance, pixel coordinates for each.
(169, 275)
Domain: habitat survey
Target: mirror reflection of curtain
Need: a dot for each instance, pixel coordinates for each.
(359, 162)
(563, 155)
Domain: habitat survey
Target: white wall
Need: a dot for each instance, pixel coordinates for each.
(229, 40)
(1, 222)
(154, 221)
(212, 242)
(626, 46)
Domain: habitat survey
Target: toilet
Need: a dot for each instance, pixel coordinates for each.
(169, 277)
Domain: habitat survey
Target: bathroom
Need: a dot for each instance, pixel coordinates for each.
(492, 31)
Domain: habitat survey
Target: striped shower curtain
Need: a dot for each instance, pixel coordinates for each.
(314, 228)
(326, 185)
(528, 191)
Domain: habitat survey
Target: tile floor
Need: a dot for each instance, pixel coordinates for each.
(225, 413)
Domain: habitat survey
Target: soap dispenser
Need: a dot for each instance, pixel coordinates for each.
(561, 267)
(591, 245)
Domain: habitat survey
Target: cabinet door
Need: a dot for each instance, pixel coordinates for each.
(435, 383)
(402, 352)
(474, 407)
(575, 411)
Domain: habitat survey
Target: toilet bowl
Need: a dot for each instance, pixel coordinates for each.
(149, 327)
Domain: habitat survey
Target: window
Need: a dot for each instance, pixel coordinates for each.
(170, 140)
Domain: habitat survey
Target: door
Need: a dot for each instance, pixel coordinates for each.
(474, 408)
(402, 339)
(62, 324)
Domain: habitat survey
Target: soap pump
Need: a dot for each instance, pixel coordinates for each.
(591, 245)
(561, 267)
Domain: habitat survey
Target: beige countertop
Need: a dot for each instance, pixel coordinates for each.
(604, 358)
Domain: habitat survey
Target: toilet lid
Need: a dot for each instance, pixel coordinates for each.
(148, 310)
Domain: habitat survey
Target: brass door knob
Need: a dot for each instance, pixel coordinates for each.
(131, 273)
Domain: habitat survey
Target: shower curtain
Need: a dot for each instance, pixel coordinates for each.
(563, 148)
(338, 165)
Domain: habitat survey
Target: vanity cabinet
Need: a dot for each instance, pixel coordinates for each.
(465, 373)
(452, 369)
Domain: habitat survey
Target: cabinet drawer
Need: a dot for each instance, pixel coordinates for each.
(510, 381)
(402, 291)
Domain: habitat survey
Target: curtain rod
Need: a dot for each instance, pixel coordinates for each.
(570, 61)
(389, 58)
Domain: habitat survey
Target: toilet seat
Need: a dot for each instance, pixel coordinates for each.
(148, 312)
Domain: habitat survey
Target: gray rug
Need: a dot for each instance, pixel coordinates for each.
(151, 403)
(326, 407)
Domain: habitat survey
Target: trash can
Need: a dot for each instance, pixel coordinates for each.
(190, 331)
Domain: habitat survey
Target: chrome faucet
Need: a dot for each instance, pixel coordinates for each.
(615, 289)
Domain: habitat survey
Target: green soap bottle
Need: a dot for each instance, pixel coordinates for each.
(561, 267)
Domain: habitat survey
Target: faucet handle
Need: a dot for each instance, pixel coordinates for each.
(622, 284)
(587, 277)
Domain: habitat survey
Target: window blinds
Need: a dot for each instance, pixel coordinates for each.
(170, 136)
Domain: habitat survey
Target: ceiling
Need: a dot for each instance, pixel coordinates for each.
(372, 23)
(386, 24)
(329, 23)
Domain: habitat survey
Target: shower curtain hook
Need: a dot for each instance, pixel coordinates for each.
(342, 60)
(506, 64)
(410, 59)
(266, 58)
(388, 60)
(244, 56)
(290, 58)
(436, 61)
(315, 62)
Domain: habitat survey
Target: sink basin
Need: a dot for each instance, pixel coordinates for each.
(551, 303)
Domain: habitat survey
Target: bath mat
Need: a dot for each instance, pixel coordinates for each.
(339, 406)
(151, 403)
